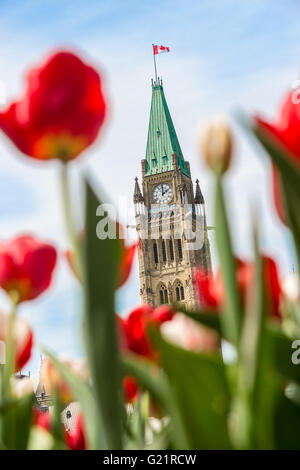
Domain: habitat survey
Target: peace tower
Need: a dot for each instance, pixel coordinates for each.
(166, 204)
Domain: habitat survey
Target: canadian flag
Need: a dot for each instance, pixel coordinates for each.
(160, 49)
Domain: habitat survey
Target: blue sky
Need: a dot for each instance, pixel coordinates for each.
(225, 55)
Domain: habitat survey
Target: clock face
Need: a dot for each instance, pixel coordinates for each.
(162, 194)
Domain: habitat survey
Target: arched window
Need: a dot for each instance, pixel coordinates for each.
(163, 249)
(182, 292)
(155, 253)
(163, 294)
(179, 246)
(171, 249)
(179, 291)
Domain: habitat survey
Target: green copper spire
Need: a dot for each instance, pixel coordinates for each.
(162, 139)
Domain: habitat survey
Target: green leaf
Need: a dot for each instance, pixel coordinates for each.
(16, 423)
(286, 424)
(256, 366)
(100, 267)
(292, 202)
(289, 172)
(281, 158)
(84, 395)
(56, 423)
(231, 318)
(148, 375)
(200, 393)
(281, 346)
(290, 181)
(153, 379)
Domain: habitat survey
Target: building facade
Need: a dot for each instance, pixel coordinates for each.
(170, 216)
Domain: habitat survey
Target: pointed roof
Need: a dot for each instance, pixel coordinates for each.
(199, 199)
(162, 139)
(137, 195)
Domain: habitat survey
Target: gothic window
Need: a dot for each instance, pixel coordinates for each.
(154, 162)
(163, 294)
(179, 291)
(165, 159)
(179, 246)
(182, 292)
(171, 249)
(155, 253)
(163, 248)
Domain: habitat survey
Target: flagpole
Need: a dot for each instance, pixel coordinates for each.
(154, 63)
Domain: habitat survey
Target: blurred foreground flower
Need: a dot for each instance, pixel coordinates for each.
(131, 389)
(61, 111)
(23, 339)
(126, 261)
(290, 287)
(74, 440)
(212, 291)
(216, 145)
(135, 328)
(26, 267)
(189, 334)
(54, 382)
(134, 337)
(127, 257)
(21, 386)
(285, 129)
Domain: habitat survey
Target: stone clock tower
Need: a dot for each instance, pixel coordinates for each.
(170, 217)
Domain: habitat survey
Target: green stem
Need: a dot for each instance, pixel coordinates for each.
(2, 371)
(10, 346)
(231, 319)
(8, 369)
(70, 226)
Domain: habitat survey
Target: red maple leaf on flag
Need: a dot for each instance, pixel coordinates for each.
(159, 49)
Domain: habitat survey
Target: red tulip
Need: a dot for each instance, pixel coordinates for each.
(41, 419)
(212, 292)
(76, 440)
(127, 258)
(61, 111)
(135, 328)
(126, 261)
(26, 266)
(131, 389)
(162, 314)
(23, 339)
(277, 195)
(286, 130)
